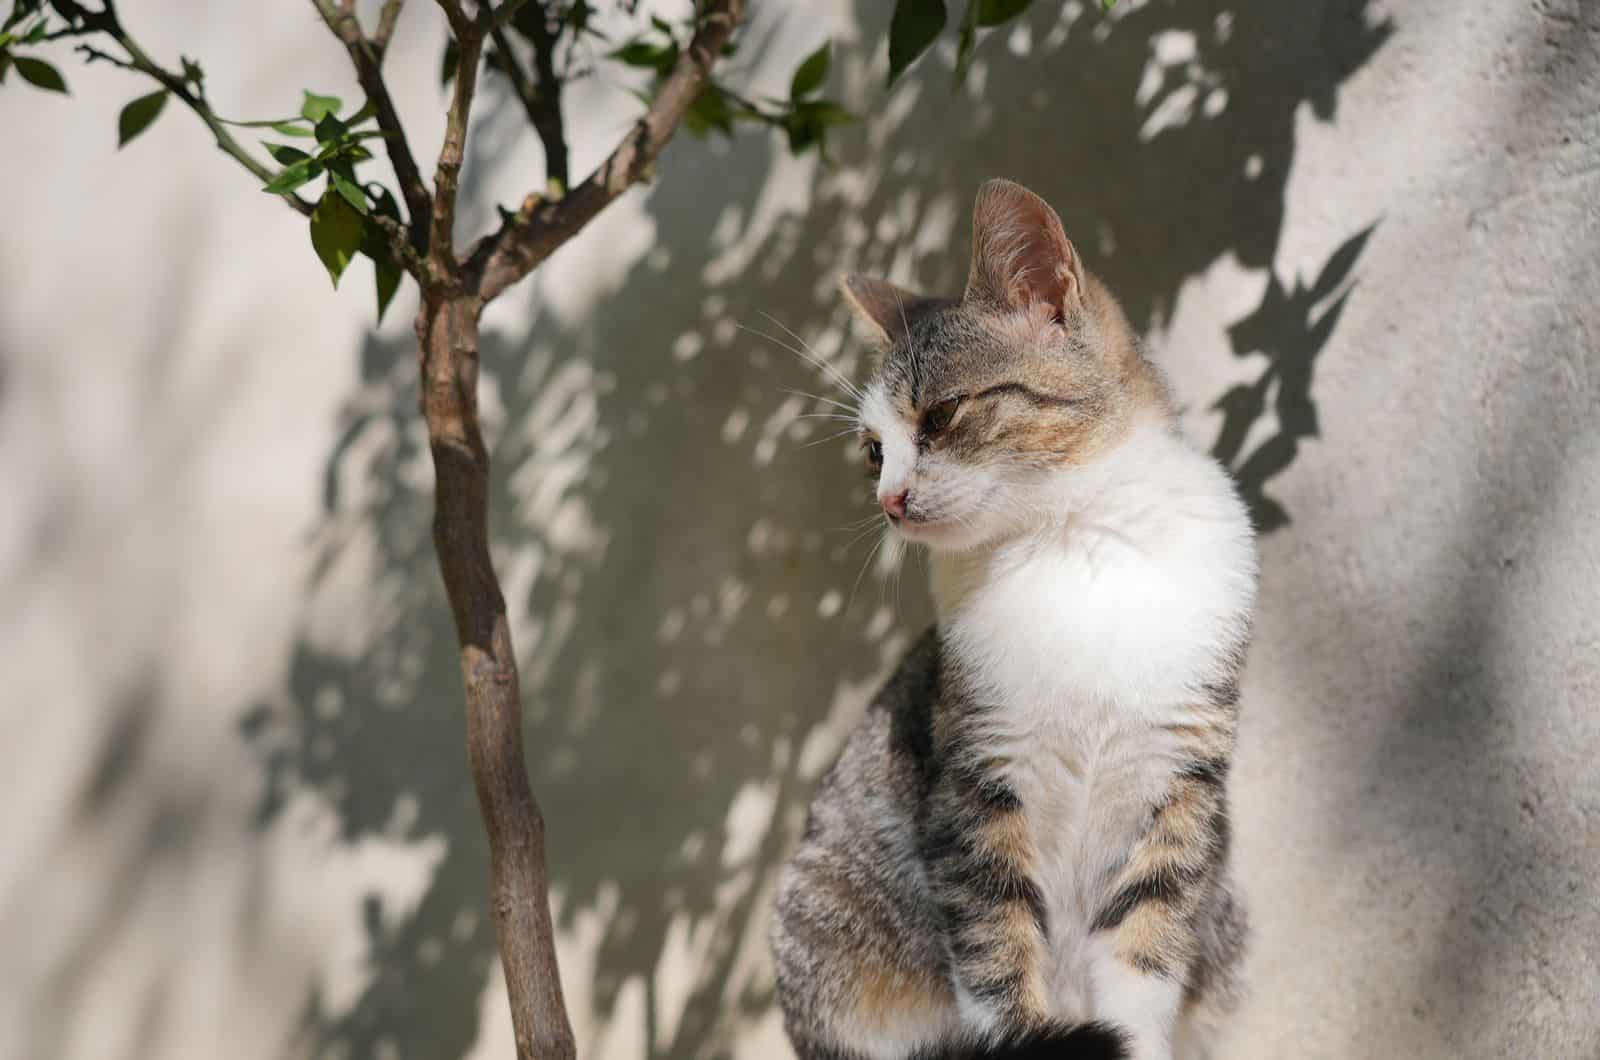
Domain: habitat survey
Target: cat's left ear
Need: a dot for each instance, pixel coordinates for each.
(882, 306)
(1021, 257)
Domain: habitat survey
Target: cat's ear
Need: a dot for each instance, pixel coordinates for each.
(1021, 258)
(883, 307)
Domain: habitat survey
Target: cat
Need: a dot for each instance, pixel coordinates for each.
(1023, 847)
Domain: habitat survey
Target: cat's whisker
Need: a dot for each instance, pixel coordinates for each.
(803, 355)
(898, 559)
(818, 397)
(857, 583)
(859, 523)
(805, 352)
(820, 416)
(860, 537)
(829, 438)
(810, 354)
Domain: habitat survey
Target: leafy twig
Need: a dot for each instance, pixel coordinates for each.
(106, 21)
(367, 57)
(541, 225)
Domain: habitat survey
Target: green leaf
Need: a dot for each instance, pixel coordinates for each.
(916, 25)
(967, 43)
(137, 116)
(316, 107)
(283, 154)
(292, 177)
(36, 33)
(709, 110)
(387, 274)
(383, 203)
(5, 65)
(824, 113)
(331, 130)
(801, 135)
(192, 72)
(20, 10)
(988, 13)
(807, 124)
(288, 127)
(349, 189)
(335, 233)
(642, 53)
(1107, 5)
(347, 152)
(812, 73)
(39, 73)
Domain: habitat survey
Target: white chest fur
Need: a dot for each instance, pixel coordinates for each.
(1086, 638)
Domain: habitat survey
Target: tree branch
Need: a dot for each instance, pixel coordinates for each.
(541, 225)
(367, 57)
(504, 14)
(106, 21)
(541, 100)
(548, 121)
(447, 173)
(447, 334)
(459, 22)
(387, 18)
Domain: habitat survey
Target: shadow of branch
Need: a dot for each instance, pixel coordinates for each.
(692, 642)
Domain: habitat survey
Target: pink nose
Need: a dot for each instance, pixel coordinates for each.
(895, 504)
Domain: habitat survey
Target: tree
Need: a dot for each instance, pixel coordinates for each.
(532, 45)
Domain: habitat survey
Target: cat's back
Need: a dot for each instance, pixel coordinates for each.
(853, 900)
(864, 807)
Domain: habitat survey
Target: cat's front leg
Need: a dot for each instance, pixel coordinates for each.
(981, 866)
(1144, 936)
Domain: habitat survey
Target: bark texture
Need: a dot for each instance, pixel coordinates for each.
(447, 334)
(454, 292)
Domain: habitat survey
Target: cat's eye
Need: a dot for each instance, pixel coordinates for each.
(874, 450)
(938, 417)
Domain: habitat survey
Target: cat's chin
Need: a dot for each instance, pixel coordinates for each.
(939, 535)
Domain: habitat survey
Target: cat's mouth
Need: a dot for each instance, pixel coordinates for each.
(928, 530)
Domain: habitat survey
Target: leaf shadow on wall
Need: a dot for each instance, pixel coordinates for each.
(695, 625)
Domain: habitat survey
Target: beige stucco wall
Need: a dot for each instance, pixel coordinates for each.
(237, 818)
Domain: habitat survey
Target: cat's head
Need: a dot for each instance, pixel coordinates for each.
(981, 404)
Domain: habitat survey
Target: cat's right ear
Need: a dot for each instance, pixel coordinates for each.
(1021, 259)
(883, 307)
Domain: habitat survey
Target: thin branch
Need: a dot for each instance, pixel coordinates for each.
(367, 58)
(514, 71)
(388, 16)
(460, 24)
(107, 22)
(447, 173)
(504, 14)
(548, 122)
(399, 239)
(541, 101)
(540, 226)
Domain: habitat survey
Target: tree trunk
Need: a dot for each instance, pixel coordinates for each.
(447, 333)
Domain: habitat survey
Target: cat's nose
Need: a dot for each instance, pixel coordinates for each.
(895, 504)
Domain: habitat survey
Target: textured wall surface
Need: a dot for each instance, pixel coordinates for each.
(1364, 239)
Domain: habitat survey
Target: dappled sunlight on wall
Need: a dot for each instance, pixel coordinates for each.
(689, 556)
